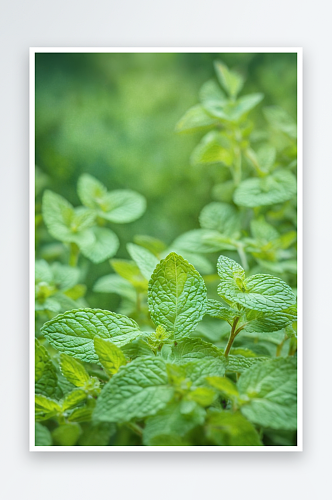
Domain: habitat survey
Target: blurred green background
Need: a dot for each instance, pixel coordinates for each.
(113, 116)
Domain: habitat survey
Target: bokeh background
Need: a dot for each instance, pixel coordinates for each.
(113, 116)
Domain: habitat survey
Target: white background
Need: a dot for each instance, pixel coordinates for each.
(164, 23)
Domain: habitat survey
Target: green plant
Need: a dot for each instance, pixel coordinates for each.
(82, 228)
(163, 385)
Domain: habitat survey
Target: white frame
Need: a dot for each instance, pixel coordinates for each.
(33, 51)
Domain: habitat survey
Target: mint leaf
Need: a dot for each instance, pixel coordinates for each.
(224, 428)
(130, 271)
(261, 292)
(224, 385)
(139, 389)
(119, 206)
(213, 148)
(194, 350)
(221, 217)
(73, 370)
(144, 259)
(210, 94)
(202, 241)
(46, 379)
(240, 364)
(272, 322)
(97, 435)
(73, 332)
(171, 421)
(275, 188)
(66, 223)
(66, 434)
(112, 283)
(110, 356)
(198, 371)
(217, 310)
(231, 81)
(43, 437)
(281, 120)
(104, 246)
(177, 295)
(271, 391)
(196, 118)
(73, 399)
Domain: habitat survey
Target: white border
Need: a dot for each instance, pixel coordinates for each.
(33, 51)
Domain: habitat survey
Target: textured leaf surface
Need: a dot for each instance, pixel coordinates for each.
(73, 399)
(177, 295)
(239, 364)
(194, 350)
(73, 332)
(110, 356)
(201, 241)
(217, 310)
(171, 420)
(197, 372)
(221, 217)
(144, 259)
(261, 292)
(104, 246)
(97, 435)
(275, 188)
(73, 370)
(272, 391)
(139, 389)
(224, 428)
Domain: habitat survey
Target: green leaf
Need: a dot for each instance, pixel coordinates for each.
(64, 222)
(194, 350)
(198, 371)
(73, 332)
(240, 364)
(224, 385)
(201, 241)
(104, 246)
(152, 244)
(66, 434)
(210, 94)
(171, 421)
(97, 435)
(213, 148)
(275, 188)
(177, 295)
(73, 370)
(280, 119)
(46, 405)
(46, 379)
(196, 118)
(243, 105)
(272, 322)
(43, 437)
(144, 259)
(130, 271)
(110, 356)
(64, 277)
(119, 206)
(220, 217)
(263, 231)
(231, 81)
(217, 310)
(73, 399)
(271, 390)
(83, 414)
(224, 428)
(266, 156)
(204, 396)
(112, 283)
(139, 389)
(261, 292)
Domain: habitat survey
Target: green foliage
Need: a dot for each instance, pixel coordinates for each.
(122, 356)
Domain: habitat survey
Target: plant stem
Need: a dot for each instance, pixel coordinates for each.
(232, 336)
(74, 252)
(242, 255)
(135, 428)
